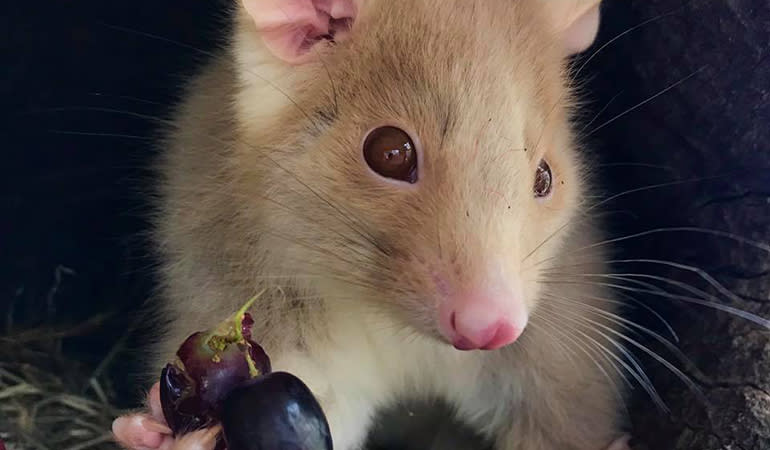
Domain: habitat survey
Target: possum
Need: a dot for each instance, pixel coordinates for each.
(403, 178)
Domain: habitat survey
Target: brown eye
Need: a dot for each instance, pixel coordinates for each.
(543, 180)
(390, 152)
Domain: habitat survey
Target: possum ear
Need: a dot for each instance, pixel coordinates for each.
(291, 28)
(576, 22)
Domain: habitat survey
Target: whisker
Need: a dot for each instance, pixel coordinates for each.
(628, 325)
(599, 114)
(354, 226)
(212, 54)
(705, 298)
(293, 211)
(267, 81)
(550, 273)
(636, 302)
(355, 244)
(574, 76)
(719, 233)
(331, 81)
(597, 349)
(765, 323)
(575, 316)
(278, 277)
(652, 311)
(644, 102)
(569, 352)
(622, 34)
(95, 134)
(681, 375)
(329, 272)
(341, 216)
(127, 97)
(633, 164)
(698, 271)
(636, 371)
(584, 347)
(619, 195)
(692, 269)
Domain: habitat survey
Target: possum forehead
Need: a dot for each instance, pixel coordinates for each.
(446, 49)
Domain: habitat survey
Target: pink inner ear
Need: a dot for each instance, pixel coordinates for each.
(290, 28)
(582, 32)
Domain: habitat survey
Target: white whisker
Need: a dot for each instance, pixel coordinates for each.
(637, 372)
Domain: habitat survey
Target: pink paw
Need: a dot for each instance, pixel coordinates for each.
(150, 432)
(620, 444)
(142, 432)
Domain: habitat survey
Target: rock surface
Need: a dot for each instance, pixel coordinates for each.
(711, 130)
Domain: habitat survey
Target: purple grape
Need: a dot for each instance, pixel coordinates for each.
(276, 411)
(208, 366)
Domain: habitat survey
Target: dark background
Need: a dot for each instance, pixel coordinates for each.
(81, 102)
(76, 201)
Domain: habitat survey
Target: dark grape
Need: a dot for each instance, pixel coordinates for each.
(276, 411)
(223, 376)
(209, 365)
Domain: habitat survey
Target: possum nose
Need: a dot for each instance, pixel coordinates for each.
(469, 337)
(482, 322)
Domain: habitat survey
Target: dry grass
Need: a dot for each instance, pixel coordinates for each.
(50, 403)
(48, 399)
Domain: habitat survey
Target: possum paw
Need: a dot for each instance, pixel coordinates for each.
(150, 432)
(144, 431)
(141, 432)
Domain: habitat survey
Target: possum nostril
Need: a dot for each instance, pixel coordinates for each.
(464, 344)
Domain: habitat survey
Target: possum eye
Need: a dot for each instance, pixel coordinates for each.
(390, 152)
(543, 180)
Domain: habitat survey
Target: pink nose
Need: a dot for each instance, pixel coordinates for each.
(483, 318)
(491, 337)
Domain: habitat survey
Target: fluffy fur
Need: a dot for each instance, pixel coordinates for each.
(263, 185)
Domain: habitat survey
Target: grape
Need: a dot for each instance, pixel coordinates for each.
(274, 412)
(208, 366)
(221, 376)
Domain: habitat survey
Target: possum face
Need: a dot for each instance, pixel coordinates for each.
(423, 163)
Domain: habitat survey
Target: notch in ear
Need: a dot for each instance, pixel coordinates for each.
(291, 28)
(576, 22)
